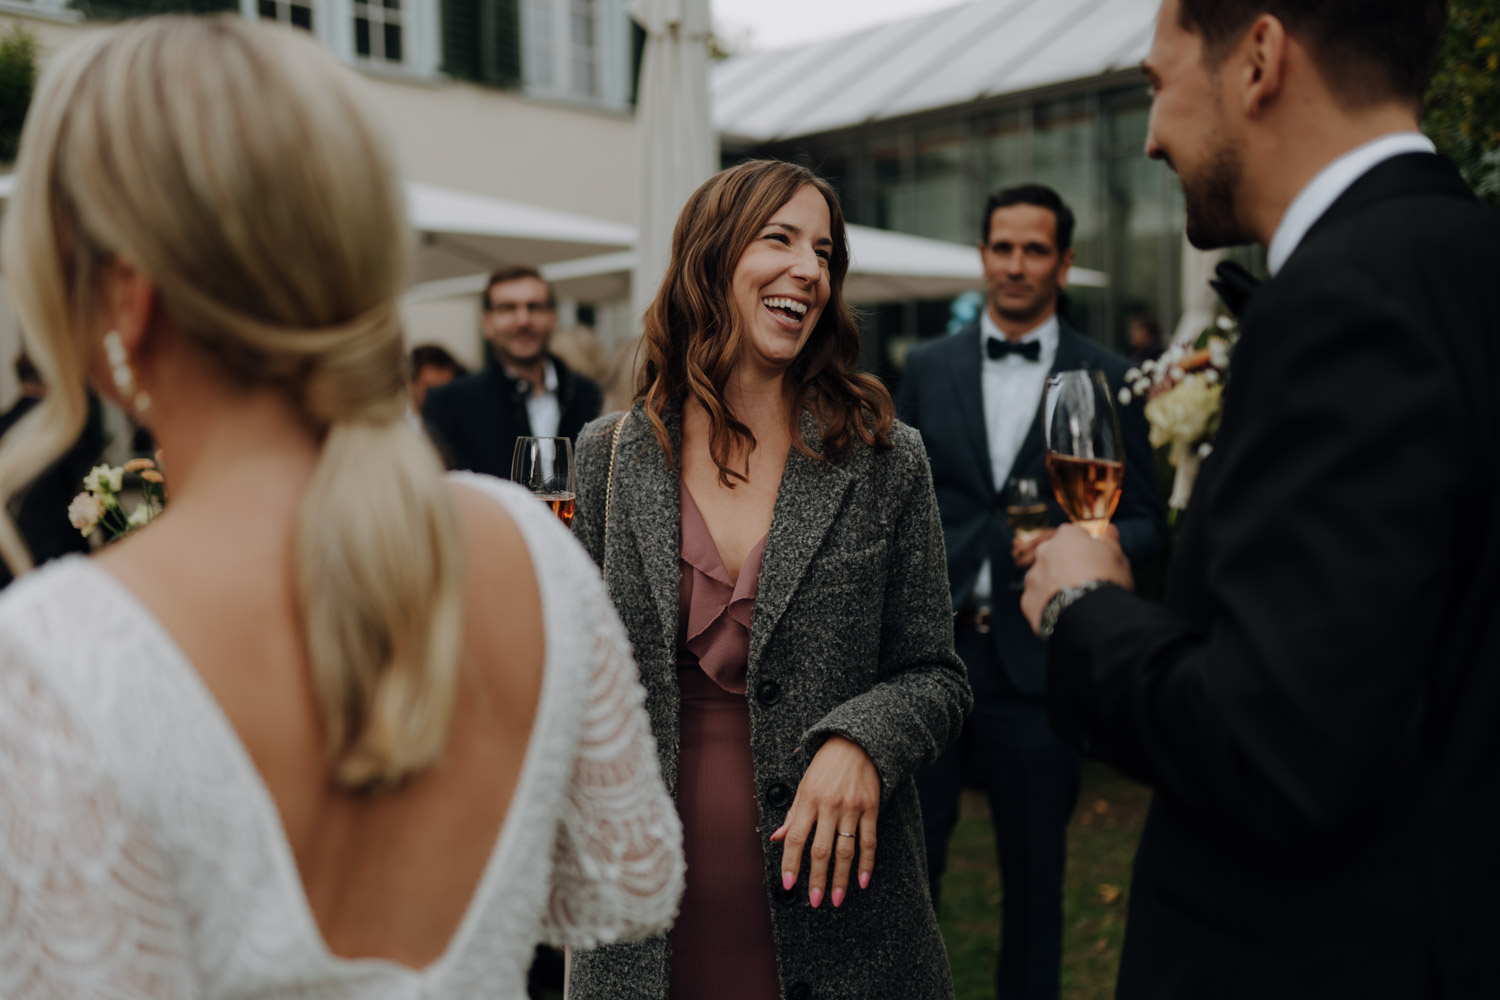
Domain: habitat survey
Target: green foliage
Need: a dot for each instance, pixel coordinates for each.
(1463, 103)
(18, 49)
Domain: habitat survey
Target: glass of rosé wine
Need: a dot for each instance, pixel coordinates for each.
(544, 465)
(1085, 453)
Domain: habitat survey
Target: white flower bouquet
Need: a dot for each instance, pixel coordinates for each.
(100, 504)
(1184, 391)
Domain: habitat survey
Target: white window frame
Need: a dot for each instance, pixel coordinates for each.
(612, 46)
(333, 25)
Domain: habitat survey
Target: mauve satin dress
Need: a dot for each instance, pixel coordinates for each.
(722, 946)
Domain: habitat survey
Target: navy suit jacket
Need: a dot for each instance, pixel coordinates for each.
(942, 396)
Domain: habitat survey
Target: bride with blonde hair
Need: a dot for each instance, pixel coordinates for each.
(332, 724)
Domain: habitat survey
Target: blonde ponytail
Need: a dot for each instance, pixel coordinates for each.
(235, 166)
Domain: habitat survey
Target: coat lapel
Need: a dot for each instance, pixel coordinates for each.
(652, 507)
(809, 500)
(965, 373)
(1068, 357)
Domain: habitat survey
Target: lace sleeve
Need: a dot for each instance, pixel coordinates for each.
(617, 862)
(86, 907)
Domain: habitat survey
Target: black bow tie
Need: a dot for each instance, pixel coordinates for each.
(1235, 286)
(1031, 350)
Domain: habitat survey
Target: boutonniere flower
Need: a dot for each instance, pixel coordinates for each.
(101, 505)
(1184, 393)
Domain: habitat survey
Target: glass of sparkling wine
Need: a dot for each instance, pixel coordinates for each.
(1085, 453)
(1025, 510)
(544, 465)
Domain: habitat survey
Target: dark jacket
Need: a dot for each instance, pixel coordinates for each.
(851, 635)
(475, 420)
(41, 509)
(1318, 706)
(942, 396)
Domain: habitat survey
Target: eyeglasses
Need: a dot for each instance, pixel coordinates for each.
(509, 308)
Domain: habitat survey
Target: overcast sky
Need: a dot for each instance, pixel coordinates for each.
(755, 25)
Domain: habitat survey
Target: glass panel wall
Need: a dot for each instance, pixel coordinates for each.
(940, 187)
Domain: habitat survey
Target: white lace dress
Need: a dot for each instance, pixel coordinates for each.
(141, 855)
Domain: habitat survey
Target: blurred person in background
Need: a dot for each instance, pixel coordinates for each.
(41, 509)
(523, 390)
(332, 724)
(976, 398)
(1143, 336)
(431, 366)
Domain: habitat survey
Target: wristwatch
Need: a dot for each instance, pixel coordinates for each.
(1062, 600)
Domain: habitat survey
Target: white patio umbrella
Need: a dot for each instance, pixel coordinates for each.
(676, 147)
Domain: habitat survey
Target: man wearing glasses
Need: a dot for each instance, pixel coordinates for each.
(522, 390)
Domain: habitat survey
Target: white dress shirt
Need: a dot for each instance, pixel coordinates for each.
(1012, 389)
(543, 409)
(1331, 182)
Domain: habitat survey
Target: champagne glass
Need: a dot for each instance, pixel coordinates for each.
(544, 465)
(1085, 453)
(1025, 510)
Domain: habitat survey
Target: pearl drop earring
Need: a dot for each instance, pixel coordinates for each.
(119, 369)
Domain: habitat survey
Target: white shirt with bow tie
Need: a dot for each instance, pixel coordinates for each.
(1012, 389)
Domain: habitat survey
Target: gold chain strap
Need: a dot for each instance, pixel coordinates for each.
(609, 484)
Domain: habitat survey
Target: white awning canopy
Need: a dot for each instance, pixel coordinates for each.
(461, 233)
(961, 54)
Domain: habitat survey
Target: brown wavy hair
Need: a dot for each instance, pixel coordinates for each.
(693, 336)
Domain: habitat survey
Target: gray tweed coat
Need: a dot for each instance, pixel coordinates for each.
(852, 634)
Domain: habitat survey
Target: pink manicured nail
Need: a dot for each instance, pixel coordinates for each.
(838, 897)
(788, 880)
(815, 897)
(864, 880)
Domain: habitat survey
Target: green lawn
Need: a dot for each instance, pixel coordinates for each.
(1101, 843)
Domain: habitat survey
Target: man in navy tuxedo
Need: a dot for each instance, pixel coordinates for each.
(1317, 706)
(975, 397)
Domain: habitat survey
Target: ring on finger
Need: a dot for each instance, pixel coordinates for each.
(841, 833)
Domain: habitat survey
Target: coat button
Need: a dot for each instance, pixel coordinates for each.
(778, 796)
(799, 991)
(784, 896)
(769, 692)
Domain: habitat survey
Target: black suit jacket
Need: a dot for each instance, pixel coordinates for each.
(41, 509)
(941, 395)
(1318, 706)
(475, 420)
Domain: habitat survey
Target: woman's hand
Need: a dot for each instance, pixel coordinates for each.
(836, 805)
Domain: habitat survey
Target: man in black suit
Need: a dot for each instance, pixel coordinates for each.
(1318, 705)
(975, 396)
(41, 509)
(522, 390)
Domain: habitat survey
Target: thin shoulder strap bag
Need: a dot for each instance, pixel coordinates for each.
(609, 485)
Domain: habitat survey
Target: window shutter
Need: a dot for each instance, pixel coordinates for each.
(500, 42)
(461, 38)
(119, 9)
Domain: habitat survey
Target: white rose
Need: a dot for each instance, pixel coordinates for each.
(139, 516)
(1183, 413)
